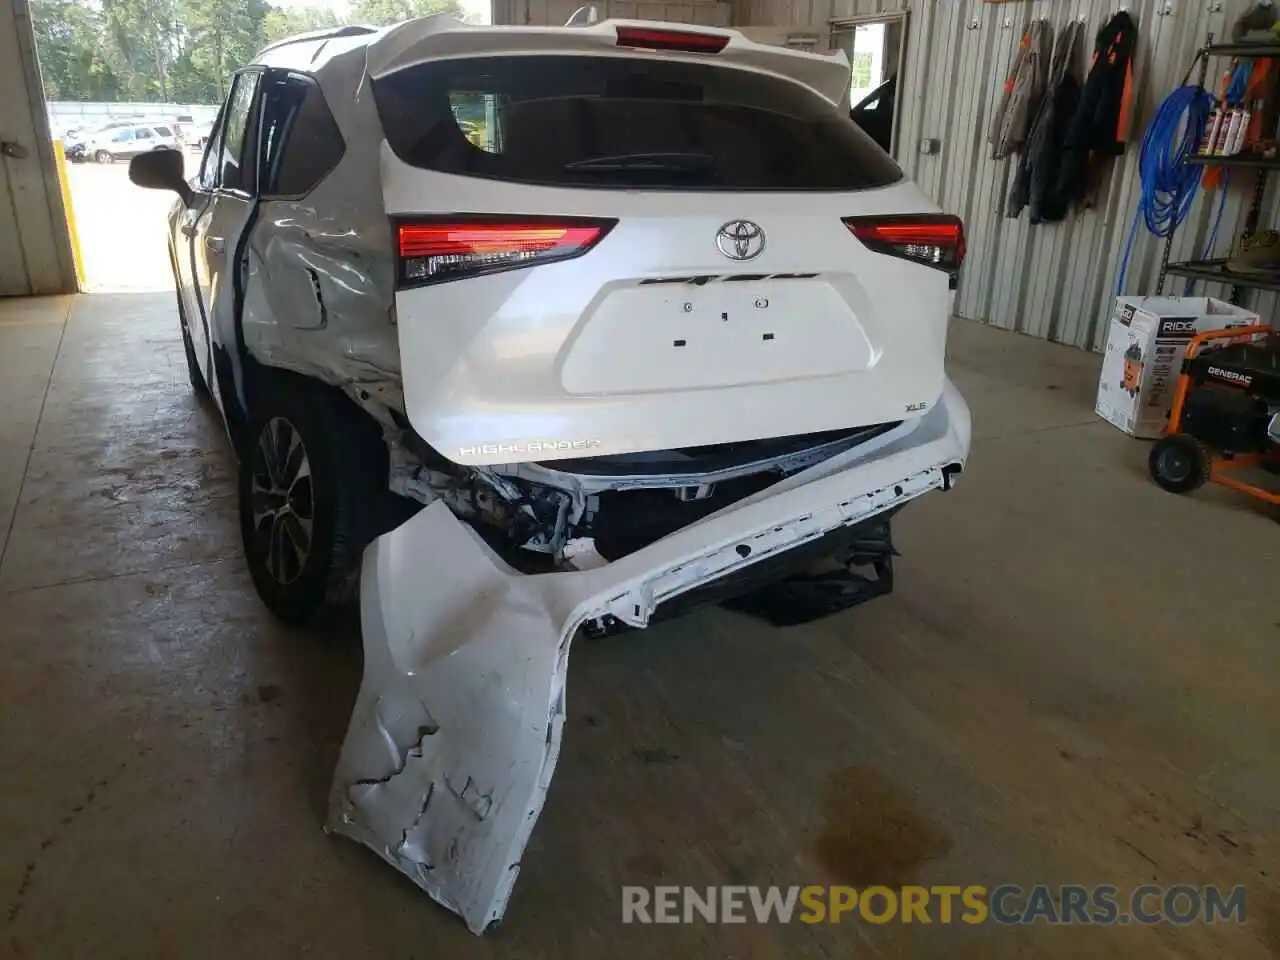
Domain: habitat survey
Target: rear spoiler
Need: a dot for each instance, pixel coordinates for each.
(416, 41)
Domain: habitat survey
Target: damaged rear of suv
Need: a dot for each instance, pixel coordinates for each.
(522, 331)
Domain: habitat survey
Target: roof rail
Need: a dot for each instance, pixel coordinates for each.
(330, 33)
(584, 16)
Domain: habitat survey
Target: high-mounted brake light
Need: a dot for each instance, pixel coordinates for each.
(687, 41)
(432, 251)
(935, 240)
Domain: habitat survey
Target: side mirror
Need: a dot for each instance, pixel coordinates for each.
(160, 170)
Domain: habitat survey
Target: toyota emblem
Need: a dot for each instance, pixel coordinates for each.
(740, 240)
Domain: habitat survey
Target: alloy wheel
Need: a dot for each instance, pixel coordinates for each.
(283, 500)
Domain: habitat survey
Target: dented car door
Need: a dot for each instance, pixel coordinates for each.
(230, 175)
(184, 242)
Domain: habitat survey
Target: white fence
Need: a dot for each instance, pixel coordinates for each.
(68, 113)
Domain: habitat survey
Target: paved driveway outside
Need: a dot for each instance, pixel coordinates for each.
(122, 228)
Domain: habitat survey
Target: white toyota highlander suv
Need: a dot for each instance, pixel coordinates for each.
(522, 330)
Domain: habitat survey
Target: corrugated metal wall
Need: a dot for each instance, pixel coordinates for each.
(1053, 281)
(809, 12)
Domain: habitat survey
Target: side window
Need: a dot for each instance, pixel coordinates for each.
(301, 142)
(236, 148)
(124, 136)
(208, 179)
(142, 133)
(164, 131)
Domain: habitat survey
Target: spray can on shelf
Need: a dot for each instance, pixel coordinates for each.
(1211, 124)
(1210, 131)
(1235, 135)
(1220, 141)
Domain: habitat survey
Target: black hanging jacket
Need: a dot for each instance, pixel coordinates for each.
(1099, 125)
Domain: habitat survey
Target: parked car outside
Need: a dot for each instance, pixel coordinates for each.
(126, 142)
(198, 138)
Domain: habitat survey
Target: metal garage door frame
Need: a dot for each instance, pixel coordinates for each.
(35, 244)
(849, 24)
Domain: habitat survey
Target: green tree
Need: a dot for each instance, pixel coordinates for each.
(220, 37)
(143, 41)
(71, 37)
(280, 23)
(181, 51)
(379, 13)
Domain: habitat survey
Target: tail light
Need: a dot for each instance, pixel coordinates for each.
(933, 240)
(686, 41)
(433, 251)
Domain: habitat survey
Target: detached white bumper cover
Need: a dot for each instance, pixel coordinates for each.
(457, 727)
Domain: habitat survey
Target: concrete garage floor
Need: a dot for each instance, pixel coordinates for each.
(1074, 682)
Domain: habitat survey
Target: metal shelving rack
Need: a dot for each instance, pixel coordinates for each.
(1215, 270)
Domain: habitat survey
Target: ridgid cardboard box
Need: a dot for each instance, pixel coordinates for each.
(1145, 346)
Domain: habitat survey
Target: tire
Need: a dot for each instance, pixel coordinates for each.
(305, 526)
(102, 157)
(1179, 463)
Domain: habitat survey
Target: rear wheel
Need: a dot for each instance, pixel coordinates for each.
(313, 494)
(102, 157)
(1179, 463)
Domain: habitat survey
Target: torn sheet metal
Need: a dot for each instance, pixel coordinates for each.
(457, 726)
(318, 301)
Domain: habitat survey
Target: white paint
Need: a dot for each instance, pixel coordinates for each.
(530, 354)
(457, 726)
(416, 41)
(456, 730)
(579, 350)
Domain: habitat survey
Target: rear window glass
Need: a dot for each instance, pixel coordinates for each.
(301, 141)
(624, 121)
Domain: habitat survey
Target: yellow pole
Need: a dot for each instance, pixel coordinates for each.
(60, 159)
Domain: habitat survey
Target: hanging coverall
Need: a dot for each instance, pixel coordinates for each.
(1038, 166)
(1022, 91)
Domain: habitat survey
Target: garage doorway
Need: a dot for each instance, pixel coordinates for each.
(876, 47)
(35, 248)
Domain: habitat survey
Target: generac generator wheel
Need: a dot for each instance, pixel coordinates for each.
(1179, 463)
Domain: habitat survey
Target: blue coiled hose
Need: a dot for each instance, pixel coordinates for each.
(1169, 183)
